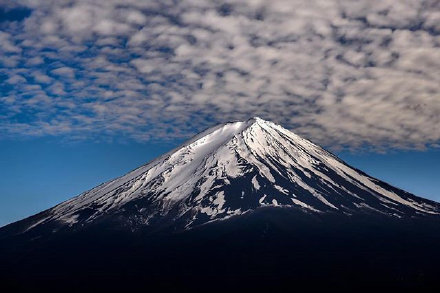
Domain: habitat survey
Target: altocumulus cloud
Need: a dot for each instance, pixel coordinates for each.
(343, 73)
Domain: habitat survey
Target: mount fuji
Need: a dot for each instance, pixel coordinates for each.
(251, 193)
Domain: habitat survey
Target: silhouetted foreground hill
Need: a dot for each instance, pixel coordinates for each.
(274, 249)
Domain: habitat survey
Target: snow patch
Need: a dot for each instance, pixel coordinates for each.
(282, 190)
(255, 183)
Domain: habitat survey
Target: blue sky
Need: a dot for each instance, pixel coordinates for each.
(82, 80)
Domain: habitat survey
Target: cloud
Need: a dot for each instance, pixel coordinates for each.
(342, 73)
(15, 79)
(64, 71)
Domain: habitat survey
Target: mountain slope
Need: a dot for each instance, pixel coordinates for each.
(229, 170)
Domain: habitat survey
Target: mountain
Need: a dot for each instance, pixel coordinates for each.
(229, 170)
(251, 193)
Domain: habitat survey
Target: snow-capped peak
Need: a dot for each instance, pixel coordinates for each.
(234, 168)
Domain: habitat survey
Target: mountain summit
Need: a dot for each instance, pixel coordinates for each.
(229, 170)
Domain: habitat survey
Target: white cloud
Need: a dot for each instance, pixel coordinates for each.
(343, 73)
(15, 79)
(64, 71)
(7, 45)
